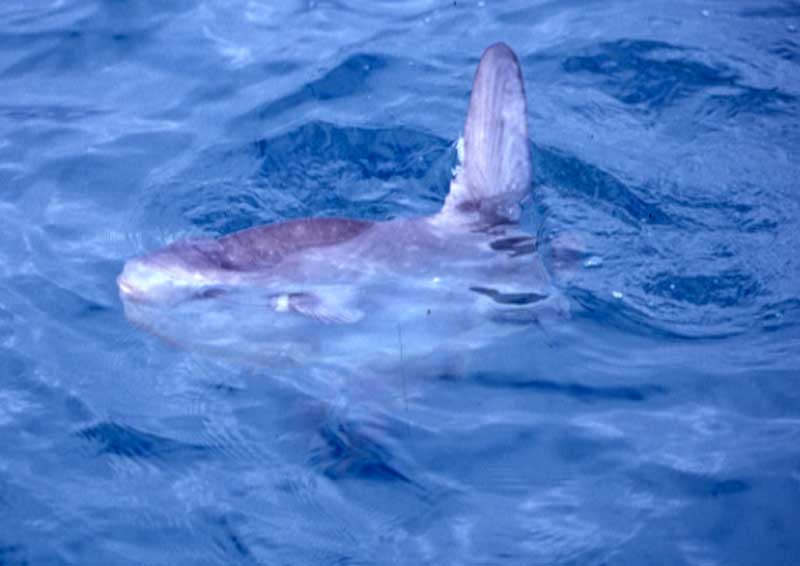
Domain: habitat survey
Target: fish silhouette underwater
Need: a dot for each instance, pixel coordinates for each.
(336, 291)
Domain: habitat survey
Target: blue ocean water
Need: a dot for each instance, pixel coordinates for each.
(659, 424)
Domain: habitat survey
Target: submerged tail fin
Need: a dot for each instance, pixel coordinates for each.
(495, 172)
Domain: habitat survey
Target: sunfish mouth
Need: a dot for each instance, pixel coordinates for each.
(128, 292)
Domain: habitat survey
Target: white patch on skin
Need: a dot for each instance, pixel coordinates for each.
(183, 278)
(142, 279)
(281, 303)
(460, 149)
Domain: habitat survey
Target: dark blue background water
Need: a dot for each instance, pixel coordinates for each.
(659, 425)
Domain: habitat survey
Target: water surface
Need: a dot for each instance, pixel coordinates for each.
(660, 424)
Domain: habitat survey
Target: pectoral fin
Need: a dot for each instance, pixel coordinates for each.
(324, 308)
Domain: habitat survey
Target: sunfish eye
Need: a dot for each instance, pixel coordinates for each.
(285, 302)
(281, 303)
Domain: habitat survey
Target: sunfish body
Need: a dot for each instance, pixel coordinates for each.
(342, 292)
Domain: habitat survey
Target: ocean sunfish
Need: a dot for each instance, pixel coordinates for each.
(343, 291)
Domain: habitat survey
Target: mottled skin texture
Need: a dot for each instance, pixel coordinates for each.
(320, 251)
(332, 290)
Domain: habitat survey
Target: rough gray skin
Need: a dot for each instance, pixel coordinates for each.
(340, 292)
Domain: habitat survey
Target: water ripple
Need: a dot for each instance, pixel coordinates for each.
(658, 424)
(120, 440)
(656, 75)
(319, 169)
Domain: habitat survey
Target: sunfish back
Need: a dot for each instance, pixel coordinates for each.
(495, 171)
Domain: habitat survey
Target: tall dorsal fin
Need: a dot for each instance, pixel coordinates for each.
(495, 172)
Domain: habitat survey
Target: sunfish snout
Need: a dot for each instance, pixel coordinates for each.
(145, 280)
(140, 282)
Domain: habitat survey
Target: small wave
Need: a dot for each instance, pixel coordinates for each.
(656, 75)
(350, 453)
(121, 440)
(725, 289)
(319, 169)
(572, 175)
(347, 79)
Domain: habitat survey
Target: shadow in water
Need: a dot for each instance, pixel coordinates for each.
(559, 169)
(13, 555)
(572, 390)
(120, 440)
(662, 479)
(349, 453)
(612, 313)
(229, 539)
(379, 153)
(318, 169)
